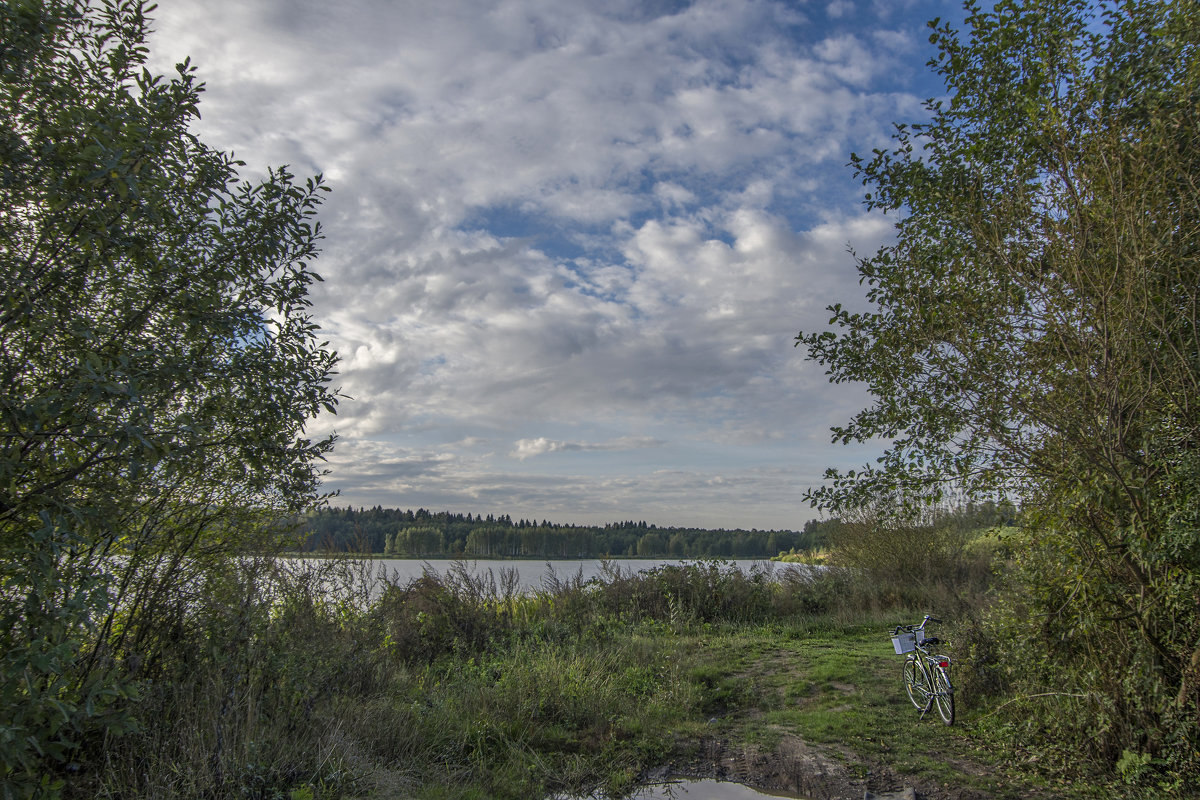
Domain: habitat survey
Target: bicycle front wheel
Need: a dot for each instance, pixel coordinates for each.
(943, 695)
(916, 682)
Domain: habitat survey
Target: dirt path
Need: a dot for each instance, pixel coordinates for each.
(820, 771)
(812, 771)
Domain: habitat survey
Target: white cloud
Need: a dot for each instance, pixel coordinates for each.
(526, 448)
(555, 222)
(839, 9)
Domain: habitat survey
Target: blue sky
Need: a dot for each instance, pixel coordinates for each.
(570, 243)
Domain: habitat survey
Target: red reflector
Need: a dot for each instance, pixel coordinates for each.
(944, 664)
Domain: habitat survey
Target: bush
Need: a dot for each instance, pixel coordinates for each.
(159, 367)
(1090, 688)
(939, 560)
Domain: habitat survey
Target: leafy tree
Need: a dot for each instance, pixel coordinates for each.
(158, 364)
(651, 544)
(1034, 335)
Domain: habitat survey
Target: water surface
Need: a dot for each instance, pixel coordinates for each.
(686, 789)
(532, 575)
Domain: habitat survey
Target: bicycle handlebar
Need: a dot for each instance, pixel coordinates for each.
(912, 628)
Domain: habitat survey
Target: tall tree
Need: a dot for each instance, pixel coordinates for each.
(158, 362)
(1034, 334)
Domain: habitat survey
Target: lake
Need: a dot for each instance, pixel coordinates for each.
(533, 575)
(694, 790)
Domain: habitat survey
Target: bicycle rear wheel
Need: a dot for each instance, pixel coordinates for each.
(916, 682)
(943, 695)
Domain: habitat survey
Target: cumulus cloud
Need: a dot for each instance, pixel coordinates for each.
(556, 222)
(525, 448)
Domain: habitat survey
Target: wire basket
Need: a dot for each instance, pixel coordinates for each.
(904, 643)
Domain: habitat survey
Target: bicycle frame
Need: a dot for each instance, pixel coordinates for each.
(926, 675)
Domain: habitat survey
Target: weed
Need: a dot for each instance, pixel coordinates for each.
(305, 683)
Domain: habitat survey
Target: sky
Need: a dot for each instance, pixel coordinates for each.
(570, 243)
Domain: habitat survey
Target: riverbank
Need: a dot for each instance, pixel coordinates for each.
(308, 684)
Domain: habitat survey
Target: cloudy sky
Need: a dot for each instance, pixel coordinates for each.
(570, 242)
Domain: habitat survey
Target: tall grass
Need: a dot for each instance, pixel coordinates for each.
(302, 681)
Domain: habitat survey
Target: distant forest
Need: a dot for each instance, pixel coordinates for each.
(421, 533)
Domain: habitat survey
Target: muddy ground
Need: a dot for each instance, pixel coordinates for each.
(812, 771)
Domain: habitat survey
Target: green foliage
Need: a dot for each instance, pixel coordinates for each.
(159, 367)
(44, 704)
(577, 687)
(1034, 335)
(302, 679)
(936, 561)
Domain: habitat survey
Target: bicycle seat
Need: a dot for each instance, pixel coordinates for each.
(932, 640)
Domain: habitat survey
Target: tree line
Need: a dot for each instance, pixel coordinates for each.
(422, 533)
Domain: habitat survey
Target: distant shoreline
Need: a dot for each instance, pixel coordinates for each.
(465, 557)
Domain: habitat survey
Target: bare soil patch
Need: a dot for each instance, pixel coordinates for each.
(816, 770)
(813, 771)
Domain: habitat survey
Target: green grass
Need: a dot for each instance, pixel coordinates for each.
(538, 716)
(840, 687)
(441, 691)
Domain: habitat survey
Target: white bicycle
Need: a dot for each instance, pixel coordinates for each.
(926, 676)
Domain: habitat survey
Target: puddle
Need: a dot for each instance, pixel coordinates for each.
(702, 790)
(699, 790)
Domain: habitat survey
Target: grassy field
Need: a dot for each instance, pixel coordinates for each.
(837, 688)
(452, 688)
(603, 713)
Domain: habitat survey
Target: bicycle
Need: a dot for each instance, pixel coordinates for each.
(926, 676)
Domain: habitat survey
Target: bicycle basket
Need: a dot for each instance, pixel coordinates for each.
(904, 643)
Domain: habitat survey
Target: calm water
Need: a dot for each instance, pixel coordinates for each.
(534, 575)
(698, 790)
(702, 790)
